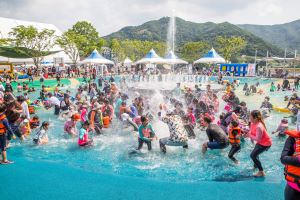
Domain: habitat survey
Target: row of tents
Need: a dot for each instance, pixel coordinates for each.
(152, 58)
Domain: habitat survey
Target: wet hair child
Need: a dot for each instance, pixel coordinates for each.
(83, 139)
(234, 140)
(41, 136)
(146, 133)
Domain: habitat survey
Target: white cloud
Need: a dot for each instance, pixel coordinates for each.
(111, 15)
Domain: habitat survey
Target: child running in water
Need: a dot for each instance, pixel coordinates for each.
(146, 133)
(41, 137)
(70, 125)
(234, 140)
(83, 139)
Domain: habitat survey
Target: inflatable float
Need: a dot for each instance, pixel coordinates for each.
(281, 109)
(24, 76)
(48, 89)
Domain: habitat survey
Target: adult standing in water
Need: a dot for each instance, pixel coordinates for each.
(290, 157)
(216, 136)
(258, 132)
(178, 134)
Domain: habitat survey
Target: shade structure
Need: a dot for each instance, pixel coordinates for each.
(211, 57)
(151, 58)
(96, 58)
(127, 61)
(172, 59)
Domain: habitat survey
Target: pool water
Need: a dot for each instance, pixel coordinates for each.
(61, 170)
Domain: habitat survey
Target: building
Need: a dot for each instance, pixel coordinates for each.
(6, 25)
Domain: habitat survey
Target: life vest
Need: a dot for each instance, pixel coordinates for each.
(34, 123)
(97, 118)
(2, 127)
(31, 109)
(292, 173)
(106, 111)
(84, 139)
(146, 132)
(234, 139)
(106, 122)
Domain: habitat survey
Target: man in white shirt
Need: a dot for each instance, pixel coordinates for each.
(54, 101)
(25, 110)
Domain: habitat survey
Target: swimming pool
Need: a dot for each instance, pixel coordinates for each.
(61, 170)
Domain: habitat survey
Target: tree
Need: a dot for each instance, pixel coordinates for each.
(137, 49)
(87, 38)
(230, 47)
(3, 41)
(116, 51)
(193, 50)
(68, 43)
(38, 41)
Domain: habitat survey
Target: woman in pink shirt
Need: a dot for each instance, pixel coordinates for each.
(258, 133)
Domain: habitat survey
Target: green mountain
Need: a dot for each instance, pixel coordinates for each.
(186, 31)
(283, 35)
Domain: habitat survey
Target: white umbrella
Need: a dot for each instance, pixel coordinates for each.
(172, 59)
(211, 57)
(96, 58)
(151, 58)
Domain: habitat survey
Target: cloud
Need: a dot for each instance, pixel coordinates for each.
(111, 15)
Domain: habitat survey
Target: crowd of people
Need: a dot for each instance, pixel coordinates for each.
(184, 110)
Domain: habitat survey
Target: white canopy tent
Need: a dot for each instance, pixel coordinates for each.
(211, 57)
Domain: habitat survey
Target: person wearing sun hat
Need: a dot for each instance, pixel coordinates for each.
(95, 118)
(70, 125)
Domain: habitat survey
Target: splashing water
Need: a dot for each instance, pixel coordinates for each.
(171, 33)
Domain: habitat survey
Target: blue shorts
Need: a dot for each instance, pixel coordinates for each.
(216, 145)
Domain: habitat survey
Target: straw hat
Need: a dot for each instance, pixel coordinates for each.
(97, 106)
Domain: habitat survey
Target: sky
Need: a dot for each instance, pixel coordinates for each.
(111, 15)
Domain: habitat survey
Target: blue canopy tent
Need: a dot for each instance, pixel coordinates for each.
(96, 58)
(172, 59)
(211, 57)
(151, 58)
